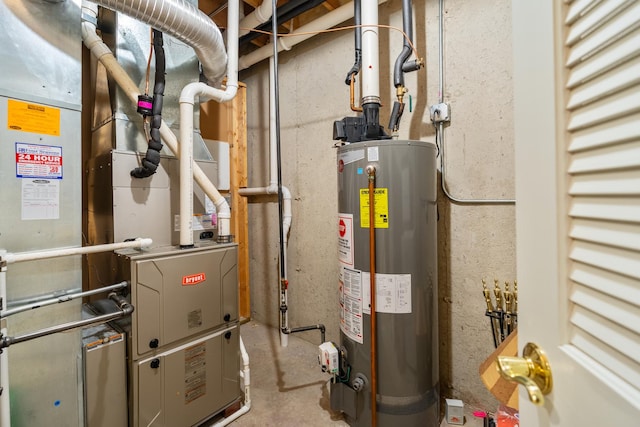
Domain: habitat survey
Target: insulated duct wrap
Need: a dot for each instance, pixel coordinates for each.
(184, 21)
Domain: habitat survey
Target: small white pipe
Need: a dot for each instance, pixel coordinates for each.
(370, 52)
(115, 70)
(286, 204)
(5, 404)
(260, 15)
(81, 250)
(245, 376)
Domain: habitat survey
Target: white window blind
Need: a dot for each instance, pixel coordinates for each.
(602, 54)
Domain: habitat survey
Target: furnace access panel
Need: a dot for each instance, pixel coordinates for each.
(179, 294)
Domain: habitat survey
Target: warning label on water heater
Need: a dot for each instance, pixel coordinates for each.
(345, 238)
(351, 303)
(38, 161)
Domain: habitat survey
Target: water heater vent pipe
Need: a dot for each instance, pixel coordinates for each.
(370, 53)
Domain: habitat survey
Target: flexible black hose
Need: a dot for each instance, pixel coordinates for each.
(151, 159)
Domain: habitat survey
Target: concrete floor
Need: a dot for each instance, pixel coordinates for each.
(287, 386)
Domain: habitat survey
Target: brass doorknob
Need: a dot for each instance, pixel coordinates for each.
(532, 370)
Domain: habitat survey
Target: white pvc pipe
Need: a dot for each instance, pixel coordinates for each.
(115, 70)
(187, 100)
(260, 15)
(370, 52)
(245, 376)
(80, 250)
(186, 174)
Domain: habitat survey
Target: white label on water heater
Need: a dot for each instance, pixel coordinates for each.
(351, 303)
(393, 293)
(372, 154)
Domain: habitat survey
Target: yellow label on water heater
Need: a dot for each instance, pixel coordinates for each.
(30, 117)
(380, 208)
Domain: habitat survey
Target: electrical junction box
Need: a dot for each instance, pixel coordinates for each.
(455, 411)
(328, 358)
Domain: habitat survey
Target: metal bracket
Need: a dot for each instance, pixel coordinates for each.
(440, 113)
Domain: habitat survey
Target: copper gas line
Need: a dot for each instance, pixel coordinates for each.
(371, 173)
(352, 94)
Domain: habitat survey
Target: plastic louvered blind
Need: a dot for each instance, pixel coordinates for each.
(602, 54)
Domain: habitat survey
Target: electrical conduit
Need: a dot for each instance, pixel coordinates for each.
(102, 52)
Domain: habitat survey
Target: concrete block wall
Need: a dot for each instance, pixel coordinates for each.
(475, 241)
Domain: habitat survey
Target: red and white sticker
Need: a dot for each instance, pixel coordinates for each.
(193, 279)
(38, 161)
(345, 238)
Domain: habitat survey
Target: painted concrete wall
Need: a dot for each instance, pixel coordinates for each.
(475, 241)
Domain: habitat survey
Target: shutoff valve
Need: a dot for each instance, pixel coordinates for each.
(328, 358)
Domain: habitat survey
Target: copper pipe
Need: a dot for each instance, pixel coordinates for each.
(352, 94)
(371, 172)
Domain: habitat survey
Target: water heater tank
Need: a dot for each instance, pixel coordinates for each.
(406, 284)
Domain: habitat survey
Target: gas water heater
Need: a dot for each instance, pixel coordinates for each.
(403, 372)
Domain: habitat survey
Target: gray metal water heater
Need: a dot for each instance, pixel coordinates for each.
(405, 217)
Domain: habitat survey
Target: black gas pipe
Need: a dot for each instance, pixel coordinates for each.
(283, 282)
